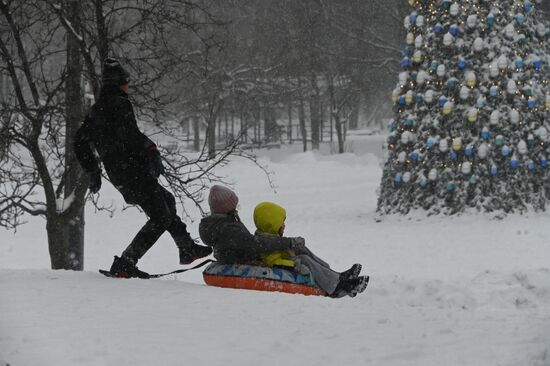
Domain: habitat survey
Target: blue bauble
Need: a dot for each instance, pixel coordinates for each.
(453, 156)
(499, 140)
(415, 156)
(485, 134)
(405, 63)
(520, 19)
(514, 163)
(442, 101)
(469, 151)
(423, 182)
(531, 165)
(419, 98)
(531, 103)
(398, 177)
(453, 30)
(544, 163)
(537, 65)
(490, 20)
(430, 142)
(528, 6)
(438, 28)
(402, 100)
(520, 64)
(451, 186)
(494, 170)
(409, 122)
(505, 151)
(461, 63)
(412, 18)
(406, 51)
(493, 91)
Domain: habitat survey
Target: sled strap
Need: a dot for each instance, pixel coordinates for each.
(202, 264)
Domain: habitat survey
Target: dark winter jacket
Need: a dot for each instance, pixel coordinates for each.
(233, 243)
(111, 129)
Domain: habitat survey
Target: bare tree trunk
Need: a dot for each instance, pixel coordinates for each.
(102, 41)
(211, 135)
(302, 116)
(290, 122)
(339, 133)
(354, 117)
(57, 241)
(232, 125)
(314, 113)
(197, 134)
(74, 105)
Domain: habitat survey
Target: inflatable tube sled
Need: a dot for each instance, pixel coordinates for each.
(249, 277)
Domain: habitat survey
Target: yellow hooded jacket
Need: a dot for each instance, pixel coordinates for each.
(269, 218)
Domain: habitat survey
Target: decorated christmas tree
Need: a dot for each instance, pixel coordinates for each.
(472, 110)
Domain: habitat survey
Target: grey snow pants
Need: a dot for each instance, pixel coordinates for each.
(308, 263)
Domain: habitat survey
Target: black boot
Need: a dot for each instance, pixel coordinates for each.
(124, 268)
(189, 254)
(357, 285)
(353, 272)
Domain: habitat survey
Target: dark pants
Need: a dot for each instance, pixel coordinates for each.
(160, 207)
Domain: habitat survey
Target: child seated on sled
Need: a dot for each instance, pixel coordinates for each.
(270, 222)
(234, 244)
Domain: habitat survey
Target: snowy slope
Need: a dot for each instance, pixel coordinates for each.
(444, 291)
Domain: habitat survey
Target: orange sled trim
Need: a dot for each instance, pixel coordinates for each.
(261, 284)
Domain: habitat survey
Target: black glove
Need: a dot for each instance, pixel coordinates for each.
(155, 163)
(95, 181)
(297, 244)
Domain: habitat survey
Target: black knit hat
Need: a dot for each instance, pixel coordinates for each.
(113, 73)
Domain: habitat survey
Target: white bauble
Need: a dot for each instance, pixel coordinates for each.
(522, 147)
(419, 21)
(421, 77)
(478, 44)
(448, 39)
(464, 93)
(471, 79)
(457, 144)
(472, 114)
(402, 157)
(418, 41)
(429, 96)
(441, 70)
(454, 9)
(472, 21)
(483, 151)
(443, 145)
(432, 175)
(407, 22)
(510, 31)
(403, 77)
(495, 117)
(541, 29)
(511, 88)
(502, 62)
(493, 69)
(466, 167)
(407, 177)
(406, 137)
(542, 133)
(514, 116)
(448, 108)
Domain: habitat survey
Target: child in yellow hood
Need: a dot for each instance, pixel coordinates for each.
(270, 222)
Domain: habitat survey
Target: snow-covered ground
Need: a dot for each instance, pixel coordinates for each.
(444, 291)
